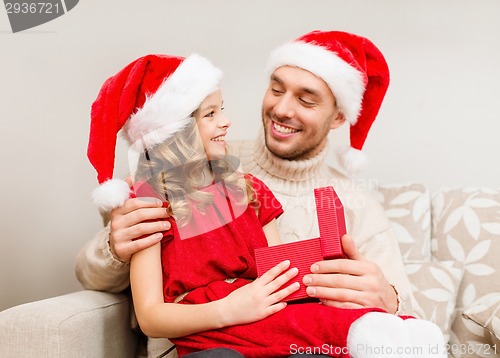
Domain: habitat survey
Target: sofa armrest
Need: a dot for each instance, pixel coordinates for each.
(79, 324)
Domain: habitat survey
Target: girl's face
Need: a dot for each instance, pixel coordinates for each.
(212, 125)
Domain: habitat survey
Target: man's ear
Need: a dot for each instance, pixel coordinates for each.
(338, 120)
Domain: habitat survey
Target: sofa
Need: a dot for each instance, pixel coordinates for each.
(450, 243)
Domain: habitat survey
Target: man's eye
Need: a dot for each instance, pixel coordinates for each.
(305, 102)
(276, 91)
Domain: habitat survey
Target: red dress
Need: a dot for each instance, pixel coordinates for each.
(199, 260)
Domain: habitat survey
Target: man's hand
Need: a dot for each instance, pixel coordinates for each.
(350, 283)
(136, 225)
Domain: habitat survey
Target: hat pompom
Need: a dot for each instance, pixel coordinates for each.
(352, 160)
(111, 194)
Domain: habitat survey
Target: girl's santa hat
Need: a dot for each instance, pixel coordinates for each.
(356, 72)
(150, 99)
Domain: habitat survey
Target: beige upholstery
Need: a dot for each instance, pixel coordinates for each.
(80, 324)
(450, 242)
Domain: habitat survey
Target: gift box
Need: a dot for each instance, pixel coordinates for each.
(302, 254)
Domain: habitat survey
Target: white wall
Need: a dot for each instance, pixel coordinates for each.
(439, 124)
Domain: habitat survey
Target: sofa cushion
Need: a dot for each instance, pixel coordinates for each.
(435, 287)
(80, 324)
(408, 208)
(486, 313)
(435, 284)
(466, 229)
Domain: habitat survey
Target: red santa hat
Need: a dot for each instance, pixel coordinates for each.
(150, 100)
(356, 72)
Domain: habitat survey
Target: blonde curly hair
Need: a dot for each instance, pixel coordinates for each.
(176, 170)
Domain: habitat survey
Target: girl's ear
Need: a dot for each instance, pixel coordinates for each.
(338, 120)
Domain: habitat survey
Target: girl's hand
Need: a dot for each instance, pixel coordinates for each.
(261, 298)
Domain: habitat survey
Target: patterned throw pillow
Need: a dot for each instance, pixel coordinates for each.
(435, 284)
(486, 313)
(408, 209)
(466, 229)
(435, 287)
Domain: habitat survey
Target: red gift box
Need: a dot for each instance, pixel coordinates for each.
(302, 254)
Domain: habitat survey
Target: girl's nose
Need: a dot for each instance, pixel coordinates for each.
(224, 121)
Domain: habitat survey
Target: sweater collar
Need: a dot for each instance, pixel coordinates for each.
(292, 170)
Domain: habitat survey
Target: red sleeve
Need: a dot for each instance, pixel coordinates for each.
(269, 207)
(142, 189)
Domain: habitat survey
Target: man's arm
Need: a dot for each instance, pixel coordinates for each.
(97, 269)
(384, 251)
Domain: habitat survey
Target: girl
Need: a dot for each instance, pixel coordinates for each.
(199, 286)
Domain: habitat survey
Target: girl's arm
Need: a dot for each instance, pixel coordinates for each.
(247, 304)
(160, 319)
(272, 233)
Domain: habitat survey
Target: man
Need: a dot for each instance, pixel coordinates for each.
(317, 83)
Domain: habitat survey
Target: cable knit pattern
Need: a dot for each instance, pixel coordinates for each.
(293, 183)
(290, 171)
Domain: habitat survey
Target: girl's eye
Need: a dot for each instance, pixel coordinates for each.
(210, 114)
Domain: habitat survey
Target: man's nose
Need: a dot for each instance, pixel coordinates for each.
(285, 107)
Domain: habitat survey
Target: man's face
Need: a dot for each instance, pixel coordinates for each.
(298, 112)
